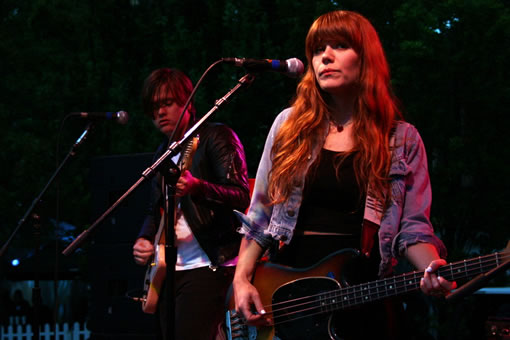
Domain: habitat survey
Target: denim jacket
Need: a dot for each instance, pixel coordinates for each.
(404, 223)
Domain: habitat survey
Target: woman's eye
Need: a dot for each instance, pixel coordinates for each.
(319, 50)
(334, 46)
(339, 46)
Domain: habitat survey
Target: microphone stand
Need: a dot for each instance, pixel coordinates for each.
(169, 180)
(36, 292)
(172, 150)
(476, 283)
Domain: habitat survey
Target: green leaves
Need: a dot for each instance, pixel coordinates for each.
(448, 59)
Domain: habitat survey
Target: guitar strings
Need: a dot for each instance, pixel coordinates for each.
(477, 263)
(348, 294)
(461, 264)
(353, 290)
(349, 300)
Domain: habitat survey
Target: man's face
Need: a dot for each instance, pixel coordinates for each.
(167, 112)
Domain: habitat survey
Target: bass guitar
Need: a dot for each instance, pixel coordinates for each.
(156, 270)
(301, 302)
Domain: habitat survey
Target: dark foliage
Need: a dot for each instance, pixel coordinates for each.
(449, 64)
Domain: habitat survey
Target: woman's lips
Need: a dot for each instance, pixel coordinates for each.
(328, 72)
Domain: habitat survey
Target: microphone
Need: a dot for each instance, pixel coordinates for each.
(291, 67)
(121, 116)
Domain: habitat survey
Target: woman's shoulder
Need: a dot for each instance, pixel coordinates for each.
(405, 131)
(281, 118)
(402, 125)
(283, 115)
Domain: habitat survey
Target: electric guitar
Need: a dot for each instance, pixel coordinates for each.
(301, 302)
(156, 270)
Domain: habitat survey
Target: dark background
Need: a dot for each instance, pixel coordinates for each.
(449, 62)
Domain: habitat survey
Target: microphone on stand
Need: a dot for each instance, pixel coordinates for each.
(291, 67)
(120, 117)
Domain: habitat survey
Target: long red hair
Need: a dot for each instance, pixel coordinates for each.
(375, 111)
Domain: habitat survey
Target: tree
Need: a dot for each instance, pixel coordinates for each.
(449, 67)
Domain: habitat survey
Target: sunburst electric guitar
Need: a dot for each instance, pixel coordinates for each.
(156, 270)
(301, 303)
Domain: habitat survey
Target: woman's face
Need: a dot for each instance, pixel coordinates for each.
(336, 67)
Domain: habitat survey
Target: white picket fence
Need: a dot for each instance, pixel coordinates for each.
(62, 332)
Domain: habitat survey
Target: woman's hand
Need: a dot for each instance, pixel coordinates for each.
(424, 256)
(433, 284)
(247, 299)
(248, 303)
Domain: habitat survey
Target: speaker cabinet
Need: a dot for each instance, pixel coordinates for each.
(114, 277)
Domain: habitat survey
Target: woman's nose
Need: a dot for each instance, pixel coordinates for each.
(327, 54)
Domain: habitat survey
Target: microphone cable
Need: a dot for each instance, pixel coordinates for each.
(191, 97)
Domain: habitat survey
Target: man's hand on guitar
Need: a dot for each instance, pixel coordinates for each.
(187, 184)
(433, 284)
(143, 249)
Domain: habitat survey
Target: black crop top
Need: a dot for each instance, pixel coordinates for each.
(330, 215)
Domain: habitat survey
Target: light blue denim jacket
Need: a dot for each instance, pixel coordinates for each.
(404, 223)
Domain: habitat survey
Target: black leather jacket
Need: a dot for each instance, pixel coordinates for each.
(220, 164)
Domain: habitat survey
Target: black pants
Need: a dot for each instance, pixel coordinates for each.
(199, 303)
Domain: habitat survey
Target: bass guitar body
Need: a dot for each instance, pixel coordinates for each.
(318, 303)
(277, 285)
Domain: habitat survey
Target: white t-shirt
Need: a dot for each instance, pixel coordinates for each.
(189, 253)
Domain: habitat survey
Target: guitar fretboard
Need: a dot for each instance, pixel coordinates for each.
(375, 290)
(338, 299)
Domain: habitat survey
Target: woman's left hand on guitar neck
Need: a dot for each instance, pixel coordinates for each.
(424, 257)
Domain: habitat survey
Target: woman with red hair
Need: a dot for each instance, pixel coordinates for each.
(340, 169)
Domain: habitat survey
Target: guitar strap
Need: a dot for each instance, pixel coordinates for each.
(369, 227)
(368, 231)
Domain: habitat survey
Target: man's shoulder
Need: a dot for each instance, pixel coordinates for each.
(161, 148)
(216, 129)
(216, 126)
